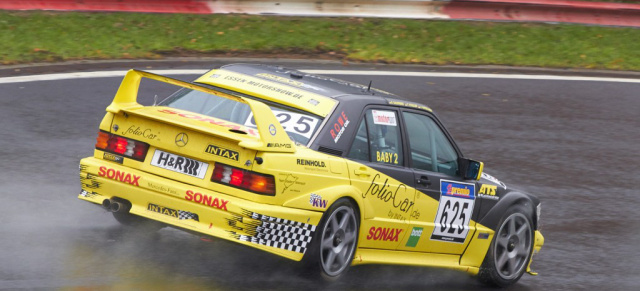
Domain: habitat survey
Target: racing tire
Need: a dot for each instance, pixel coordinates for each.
(335, 242)
(510, 250)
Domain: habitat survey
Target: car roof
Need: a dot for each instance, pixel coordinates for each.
(322, 92)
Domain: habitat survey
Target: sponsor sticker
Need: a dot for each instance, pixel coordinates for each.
(317, 201)
(117, 175)
(383, 233)
(488, 191)
(113, 158)
(179, 164)
(222, 152)
(381, 117)
(339, 127)
(416, 233)
(179, 214)
(454, 211)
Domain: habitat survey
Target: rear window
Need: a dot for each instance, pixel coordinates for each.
(299, 125)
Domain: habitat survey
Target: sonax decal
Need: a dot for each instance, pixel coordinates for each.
(383, 233)
(121, 176)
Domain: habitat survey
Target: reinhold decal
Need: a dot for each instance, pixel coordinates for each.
(383, 233)
(123, 177)
(222, 152)
(305, 162)
(206, 200)
(385, 193)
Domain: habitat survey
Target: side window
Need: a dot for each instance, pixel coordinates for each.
(360, 146)
(430, 148)
(384, 137)
(378, 139)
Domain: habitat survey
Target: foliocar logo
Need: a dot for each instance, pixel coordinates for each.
(414, 237)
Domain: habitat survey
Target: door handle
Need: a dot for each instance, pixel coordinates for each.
(423, 180)
(362, 172)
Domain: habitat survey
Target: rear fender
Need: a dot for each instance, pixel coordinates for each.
(321, 200)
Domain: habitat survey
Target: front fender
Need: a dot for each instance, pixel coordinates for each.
(492, 218)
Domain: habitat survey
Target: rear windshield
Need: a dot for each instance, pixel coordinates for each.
(299, 125)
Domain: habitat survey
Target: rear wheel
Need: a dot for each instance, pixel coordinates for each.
(510, 249)
(334, 245)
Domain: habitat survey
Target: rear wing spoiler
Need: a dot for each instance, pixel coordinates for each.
(273, 137)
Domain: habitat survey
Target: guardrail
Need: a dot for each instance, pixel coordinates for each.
(597, 13)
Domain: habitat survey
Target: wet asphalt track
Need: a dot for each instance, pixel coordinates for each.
(575, 144)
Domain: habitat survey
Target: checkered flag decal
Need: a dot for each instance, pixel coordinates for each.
(187, 215)
(274, 232)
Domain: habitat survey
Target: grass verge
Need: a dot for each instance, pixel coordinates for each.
(45, 36)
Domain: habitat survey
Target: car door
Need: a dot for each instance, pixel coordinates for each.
(377, 169)
(445, 202)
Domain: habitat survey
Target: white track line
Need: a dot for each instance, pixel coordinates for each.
(120, 74)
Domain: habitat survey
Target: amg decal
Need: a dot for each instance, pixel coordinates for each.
(121, 176)
(222, 152)
(383, 233)
(279, 145)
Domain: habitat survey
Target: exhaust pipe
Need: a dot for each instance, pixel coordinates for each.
(112, 205)
(106, 204)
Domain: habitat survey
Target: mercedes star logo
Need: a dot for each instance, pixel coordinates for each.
(182, 139)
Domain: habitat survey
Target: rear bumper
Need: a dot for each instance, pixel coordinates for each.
(280, 230)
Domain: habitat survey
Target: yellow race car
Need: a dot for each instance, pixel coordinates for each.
(311, 168)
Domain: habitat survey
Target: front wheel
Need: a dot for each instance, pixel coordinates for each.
(510, 249)
(335, 243)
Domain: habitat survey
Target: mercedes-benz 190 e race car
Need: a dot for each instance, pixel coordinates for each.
(310, 168)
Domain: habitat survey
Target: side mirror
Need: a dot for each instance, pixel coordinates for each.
(470, 169)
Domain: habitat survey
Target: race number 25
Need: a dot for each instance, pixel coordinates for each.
(454, 211)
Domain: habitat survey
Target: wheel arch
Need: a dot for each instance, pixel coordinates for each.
(492, 218)
(331, 195)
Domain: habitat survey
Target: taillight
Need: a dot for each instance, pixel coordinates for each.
(112, 143)
(244, 179)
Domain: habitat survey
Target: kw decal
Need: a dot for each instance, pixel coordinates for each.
(221, 152)
(416, 233)
(383, 233)
(206, 200)
(317, 201)
(385, 193)
(121, 176)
